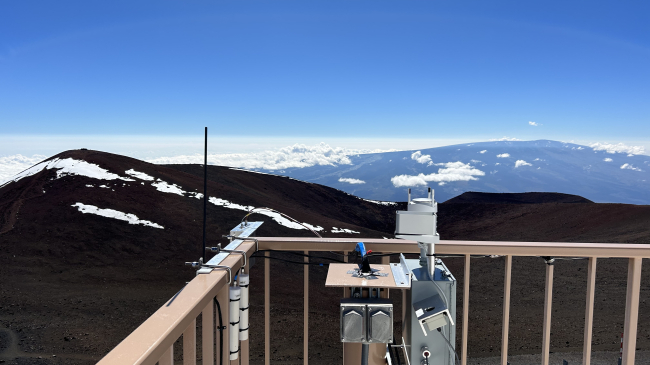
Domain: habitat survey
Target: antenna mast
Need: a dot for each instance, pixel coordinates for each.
(205, 189)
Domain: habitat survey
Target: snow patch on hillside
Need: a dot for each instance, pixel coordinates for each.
(168, 188)
(343, 230)
(70, 166)
(139, 175)
(275, 216)
(379, 202)
(111, 213)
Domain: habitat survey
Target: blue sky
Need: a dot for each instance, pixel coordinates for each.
(342, 72)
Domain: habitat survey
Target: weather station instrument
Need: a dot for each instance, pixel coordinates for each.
(366, 311)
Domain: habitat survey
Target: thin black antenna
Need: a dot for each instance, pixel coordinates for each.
(205, 188)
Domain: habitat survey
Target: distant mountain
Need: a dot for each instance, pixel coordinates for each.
(515, 198)
(92, 243)
(598, 174)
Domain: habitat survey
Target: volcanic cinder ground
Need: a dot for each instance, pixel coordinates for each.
(74, 284)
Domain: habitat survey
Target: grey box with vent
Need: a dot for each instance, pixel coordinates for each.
(367, 320)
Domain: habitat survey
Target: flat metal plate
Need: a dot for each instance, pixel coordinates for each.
(246, 231)
(337, 276)
(401, 273)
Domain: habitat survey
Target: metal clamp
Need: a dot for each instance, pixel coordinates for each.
(222, 267)
(195, 264)
(549, 260)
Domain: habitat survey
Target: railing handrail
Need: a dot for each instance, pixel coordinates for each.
(458, 247)
(154, 336)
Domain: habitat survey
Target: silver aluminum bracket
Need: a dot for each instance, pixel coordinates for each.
(401, 273)
(242, 230)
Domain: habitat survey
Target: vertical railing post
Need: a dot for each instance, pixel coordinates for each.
(548, 304)
(189, 344)
(631, 309)
(506, 310)
(207, 334)
(589, 311)
(463, 359)
(305, 345)
(224, 302)
(267, 309)
(168, 357)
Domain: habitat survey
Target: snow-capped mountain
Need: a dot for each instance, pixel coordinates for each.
(602, 173)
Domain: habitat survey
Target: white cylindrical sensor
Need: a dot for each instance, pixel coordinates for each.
(235, 296)
(243, 307)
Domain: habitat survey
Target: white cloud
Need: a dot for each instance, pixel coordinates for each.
(503, 155)
(497, 164)
(618, 148)
(453, 171)
(520, 163)
(607, 159)
(298, 155)
(534, 124)
(351, 181)
(627, 166)
(483, 151)
(506, 139)
(12, 165)
(474, 161)
(420, 158)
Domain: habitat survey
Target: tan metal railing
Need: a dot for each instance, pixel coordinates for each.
(153, 341)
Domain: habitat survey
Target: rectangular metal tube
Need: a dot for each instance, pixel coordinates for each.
(168, 357)
(305, 344)
(631, 310)
(189, 344)
(548, 304)
(207, 334)
(267, 309)
(463, 359)
(589, 311)
(506, 310)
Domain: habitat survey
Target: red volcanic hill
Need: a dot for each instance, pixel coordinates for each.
(92, 243)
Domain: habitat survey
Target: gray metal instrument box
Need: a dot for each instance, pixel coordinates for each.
(366, 320)
(424, 294)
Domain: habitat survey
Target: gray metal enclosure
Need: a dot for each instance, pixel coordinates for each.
(414, 338)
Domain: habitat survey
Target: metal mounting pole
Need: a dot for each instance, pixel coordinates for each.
(205, 189)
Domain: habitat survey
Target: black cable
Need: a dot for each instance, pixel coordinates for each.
(303, 255)
(383, 254)
(220, 329)
(293, 262)
(451, 347)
